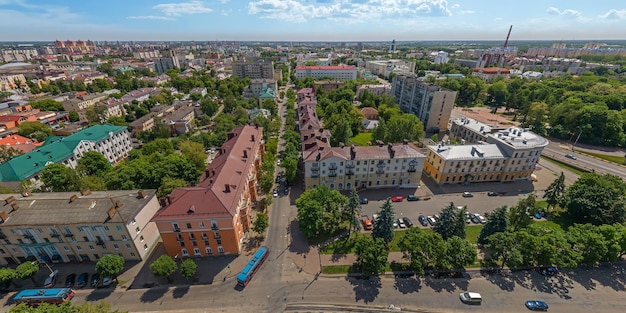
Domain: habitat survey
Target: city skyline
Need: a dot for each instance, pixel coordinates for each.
(310, 20)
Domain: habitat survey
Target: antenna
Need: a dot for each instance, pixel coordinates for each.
(506, 42)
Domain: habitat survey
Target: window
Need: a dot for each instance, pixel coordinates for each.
(134, 221)
(106, 228)
(127, 246)
(184, 252)
(188, 225)
(145, 247)
(92, 248)
(196, 251)
(116, 247)
(132, 254)
(141, 238)
(201, 225)
(208, 250)
(2, 251)
(123, 237)
(79, 248)
(119, 227)
(40, 230)
(138, 230)
(220, 249)
(85, 238)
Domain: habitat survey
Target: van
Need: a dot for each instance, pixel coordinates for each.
(471, 298)
(51, 279)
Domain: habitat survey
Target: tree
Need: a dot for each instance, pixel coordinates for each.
(554, 192)
(460, 252)
(7, 152)
(46, 105)
(371, 255)
(164, 266)
(96, 114)
(161, 145)
(73, 116)
(383, 225)
(26, 270)
(35, 130)
(260, 223)
(188, 268)
(85, 307)
(7, 274)
(352, 209)
(423, 249)
(208, 107)
(195, 153)
(596, 199)
(520, 215)
(93, 163)
(497, 222)
(169, 184)
(117, 121)
(58, 177)
(319, 211)
(110, 265)
(93, 182)
(504, 250)
(290, 163)
(498, 94)
(448, 224)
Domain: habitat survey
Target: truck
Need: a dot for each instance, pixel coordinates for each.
(367, 223)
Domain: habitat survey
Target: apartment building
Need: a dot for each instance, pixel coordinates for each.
(10, 82)
(378, 90)
(345, 168)
(213, 217)
(258, 86)
(386, 67)
(504, 156)
(110, 140)
(257, 70)
(491, 73)
(62, 227)
(339, 72)
(327, 85)
(83, 101)
(468, 130)
(430, 103)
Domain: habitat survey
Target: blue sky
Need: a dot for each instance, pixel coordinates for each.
(311, 20)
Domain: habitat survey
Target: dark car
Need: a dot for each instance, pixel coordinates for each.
(548, 270)
(51, 279)
(407, 222)
(536, 305)
(286, 183)
(286, 191)
(82, 280)
(363, 201)
(492, 194)
(412, 198)
(278, 178)
(70, 280)
(423, 220)
(570, 156)
(95, 278)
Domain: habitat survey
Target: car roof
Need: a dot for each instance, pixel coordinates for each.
(473, 294)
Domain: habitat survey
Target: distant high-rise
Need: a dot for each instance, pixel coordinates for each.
(393, 46)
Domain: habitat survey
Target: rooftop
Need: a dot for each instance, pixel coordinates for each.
(326, 68)
(469, 152)
(55, 208)
(518, 137)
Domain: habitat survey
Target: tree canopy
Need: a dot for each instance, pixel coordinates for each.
(319, 211)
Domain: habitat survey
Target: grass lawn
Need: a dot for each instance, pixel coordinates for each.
(611, 158)
(472, 232)
(564, 166)
(361, 139)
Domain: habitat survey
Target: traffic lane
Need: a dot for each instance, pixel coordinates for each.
(555, 150)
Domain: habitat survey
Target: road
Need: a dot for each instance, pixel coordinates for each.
(558, 151)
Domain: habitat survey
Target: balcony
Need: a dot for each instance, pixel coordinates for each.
(349, 172)
(349, 165)
(381, 164)
(332, 174)
(217, 236)
(55, 235)
(380, 171)
(29, 236)
(100, 242)
(3, 236)
(68, 235)
(315, 175)
(214, 227)
(412, 169)
(176, 229)
(332, 167)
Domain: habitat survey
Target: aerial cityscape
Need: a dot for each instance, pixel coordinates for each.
(312, 156)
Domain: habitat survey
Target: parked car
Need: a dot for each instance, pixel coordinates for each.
(364, 201)
(536, 305)
(286, 183)
(397, 199)
(474, 218)
(82, 280)
(471, 298)
(412, 198)
(570, 156)
(407, 222)
(467, 194)
(51, 279)
(95, 278)
(548, 270)
(492, 194)
(278, 178)
(106, 282)
(70, 280)
(278, 162)
(275, 193)
(401, 223)
(481, 219)
(286, 191)
(431, 220)
(467, 218)
(423, 220)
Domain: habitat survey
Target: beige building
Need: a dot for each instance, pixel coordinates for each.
(60, 227)
(505, 156)
(83, 102)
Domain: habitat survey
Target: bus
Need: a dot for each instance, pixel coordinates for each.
(35, 297)
(244, 277)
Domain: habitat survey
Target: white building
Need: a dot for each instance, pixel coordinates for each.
(339, 72)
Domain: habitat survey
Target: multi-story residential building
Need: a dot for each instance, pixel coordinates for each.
(60, 227)
(339, 72)
(83, 101)
(157, 80)
(430, 103)
(162, 65)
(467, 130)
(259, 70)
(327, 85)
(213, 217)
(143, 123)
(258, 86)
(374, 89)
(507, 155)
(386, 67)
(491, 73)
(10, 82)
(110, 140)
(345, 168)
(441, 57)
(179, 121)
(140, 95)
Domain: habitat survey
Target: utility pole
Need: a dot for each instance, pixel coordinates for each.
(575, 142)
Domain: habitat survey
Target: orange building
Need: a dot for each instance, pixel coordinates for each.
(20, 143)
(213, 217)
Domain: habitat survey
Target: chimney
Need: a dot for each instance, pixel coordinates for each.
(118, 204)
(252, 138)
(141, 194)
(85, 192)
(168, 200)
(9, 199)
(341, 144)
(212, 173)
(245, 153)
(226, 188)
(4, 216)
(111, 212)
(14, 206)
(73, 198)
(26, 193)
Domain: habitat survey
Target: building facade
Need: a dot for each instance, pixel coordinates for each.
(61, 227)
(430, 103)
(213, 217)
(339, 72)
(256, 70)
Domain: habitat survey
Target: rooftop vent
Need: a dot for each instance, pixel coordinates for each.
(191, 209)
(9, 199)
(118, 204)
(73, 198)
(111, 212)
(85, 192)
(141, 194)
(4, 216)
(14, 206)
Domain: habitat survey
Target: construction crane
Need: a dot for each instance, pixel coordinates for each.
(506, 42)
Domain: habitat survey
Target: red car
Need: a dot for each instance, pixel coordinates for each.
(396, 199)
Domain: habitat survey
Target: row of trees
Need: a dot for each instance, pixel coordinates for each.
(166, 265)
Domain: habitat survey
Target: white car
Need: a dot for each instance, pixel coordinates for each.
(278, 162)
(401, 223)
(481, 219)
(275, 192)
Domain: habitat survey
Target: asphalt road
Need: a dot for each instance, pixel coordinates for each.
(558, 151)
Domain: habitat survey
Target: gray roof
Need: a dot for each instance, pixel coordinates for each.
(55, 208)
(469, 152)
(517, 137)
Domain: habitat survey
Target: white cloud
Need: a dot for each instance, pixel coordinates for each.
(615, 14)
(467, 12)
(353, 11)
(151, 17)
(223, 1)
(498, 19)
(566, 12)
(182, 8)
(455, 6)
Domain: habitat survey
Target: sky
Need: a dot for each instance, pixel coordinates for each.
(311, 20)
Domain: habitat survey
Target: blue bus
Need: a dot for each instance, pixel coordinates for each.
(35, 297)
(244, 277)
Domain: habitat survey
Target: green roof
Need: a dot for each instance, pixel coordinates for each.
(55, 150)
(268, 93)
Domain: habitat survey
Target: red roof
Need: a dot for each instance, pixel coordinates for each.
(221, 188)
(10, 118)
(327, 67)
(19, 142)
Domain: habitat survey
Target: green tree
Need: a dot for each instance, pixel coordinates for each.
(596, 199)
(371, 255)
(383, 225)
(117, 121)
(34, 130)
(110, 265)
(58, 177)
(520, 215)
(164, 266)
(195, 153)
(352, 209)
(188, 268)
(26, 270)
(208, 107)
(6, 153)
(497, 222)
(73, 116)
(554, 193)
(93, 163)
(460, 252)
(290, 163)
(96, 114)
(66, 307)
(7, 274)
(504, 250)
(319, 211)
(448, 224)
(498, 94)
(260, 223)
(47, 105)
(423, 249)
(161, 145)
(93, 182)
(168, 185)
